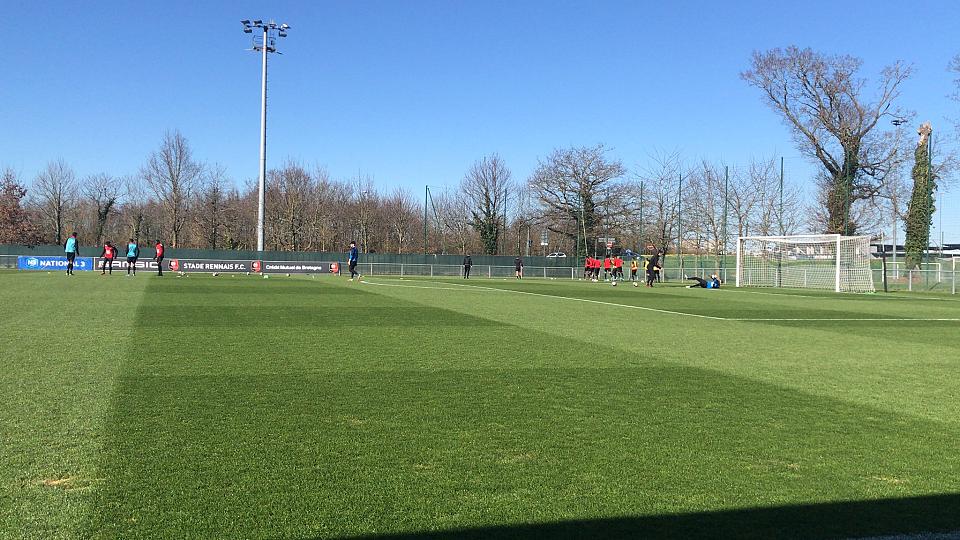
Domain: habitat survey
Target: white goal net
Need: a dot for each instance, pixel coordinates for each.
(821, 261)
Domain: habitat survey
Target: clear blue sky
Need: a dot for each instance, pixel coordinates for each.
(412, 92)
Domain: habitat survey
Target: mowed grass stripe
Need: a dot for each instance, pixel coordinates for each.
(343, 454)
(677, 300)
(899, 366)
(62, 339)
(419, 436)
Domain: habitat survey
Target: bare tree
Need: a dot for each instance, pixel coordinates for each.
(402, 213)
(55, 192)
(329, 200)
(290, 197)
(102, 191)
(756, 203)
(173, 175)
(15, 227)
(706, 199)
(486, 187)
(239, 217)
(661, 182)
(454, 210)
(134, 209)
(581, 192)
(820, 99)
(210, 206)
(365, 200)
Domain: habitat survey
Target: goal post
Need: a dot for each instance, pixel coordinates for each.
(817, 261)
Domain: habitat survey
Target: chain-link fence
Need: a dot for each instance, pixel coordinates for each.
(939, 278)
(477, 270)
(935, 280)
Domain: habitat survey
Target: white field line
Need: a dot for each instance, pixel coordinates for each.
(848, 319)
(628, 306)
(407, 286)
(788, 295)
(461, 286)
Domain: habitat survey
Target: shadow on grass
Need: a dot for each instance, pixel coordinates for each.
(914, 515)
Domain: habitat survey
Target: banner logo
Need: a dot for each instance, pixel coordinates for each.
(31, 262)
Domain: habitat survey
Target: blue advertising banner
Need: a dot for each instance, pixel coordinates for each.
(29, 262)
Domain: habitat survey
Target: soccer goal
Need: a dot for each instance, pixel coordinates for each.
(821, 261)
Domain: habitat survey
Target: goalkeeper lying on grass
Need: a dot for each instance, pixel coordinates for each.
(712, 283)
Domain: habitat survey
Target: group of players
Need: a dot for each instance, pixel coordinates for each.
(110, 253)
(612, 268)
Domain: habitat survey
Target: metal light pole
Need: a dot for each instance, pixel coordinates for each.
(267, 44)
(893, 209)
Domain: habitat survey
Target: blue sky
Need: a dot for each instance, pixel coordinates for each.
(412, 92)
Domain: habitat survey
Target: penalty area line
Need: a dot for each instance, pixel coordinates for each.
(461, 286)
(406, 286)
(901, 319)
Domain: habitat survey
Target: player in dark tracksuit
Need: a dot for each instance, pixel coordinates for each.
(352, 261)
(653, 266)
(467, 263)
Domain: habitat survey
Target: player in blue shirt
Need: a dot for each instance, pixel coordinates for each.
(72, 249)
(133, 252)
(712, 283)
(352, 261)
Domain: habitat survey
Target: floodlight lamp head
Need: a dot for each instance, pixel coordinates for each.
(257, 22)
(285, 26)
(245, 22)
(283, 34)
(247, 30)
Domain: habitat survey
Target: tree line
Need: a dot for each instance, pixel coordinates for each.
(576, 197)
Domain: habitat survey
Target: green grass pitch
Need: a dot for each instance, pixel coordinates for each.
(242, 407)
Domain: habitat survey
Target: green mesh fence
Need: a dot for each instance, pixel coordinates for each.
(146, 250)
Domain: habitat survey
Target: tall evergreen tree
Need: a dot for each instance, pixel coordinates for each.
(920, 211)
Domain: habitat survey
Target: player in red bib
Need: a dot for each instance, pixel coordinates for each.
(159, 257)
(108, 254)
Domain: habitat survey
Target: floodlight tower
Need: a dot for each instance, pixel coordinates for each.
(267, 44)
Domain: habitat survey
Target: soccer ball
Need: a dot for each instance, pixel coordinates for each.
(635, 284)
(613, 283)
(215, 274)
(248, 273)
(288, 275)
